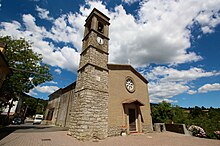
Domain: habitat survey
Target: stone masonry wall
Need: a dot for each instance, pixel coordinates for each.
(147, 128)
(95, 57)
(114, 131)
(89, 115)
(92, 78)
(91, 40)
(62, 110)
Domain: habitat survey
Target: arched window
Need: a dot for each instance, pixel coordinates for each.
(89, 26)
(100, 27)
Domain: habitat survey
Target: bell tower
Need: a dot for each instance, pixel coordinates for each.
(89, 117)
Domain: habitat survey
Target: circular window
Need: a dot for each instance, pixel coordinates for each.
(129, 84)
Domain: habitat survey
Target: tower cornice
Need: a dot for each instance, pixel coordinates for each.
(98, 13)
(84, 50)
(99, 67)
(102, 35)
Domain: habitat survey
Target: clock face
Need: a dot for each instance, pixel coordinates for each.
(129, 84)
(100, 40)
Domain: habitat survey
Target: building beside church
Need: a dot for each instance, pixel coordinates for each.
(4, 67)
(107, 99)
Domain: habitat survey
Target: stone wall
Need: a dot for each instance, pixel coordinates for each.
(92, 78)
(94, 56)
(147, 128)
(114, 131)
(159, 127)
(63, 116)
(91, 40)
(178, 128)
(54, 104)
(89, 115)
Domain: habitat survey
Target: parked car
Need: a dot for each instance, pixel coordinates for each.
(17, 121)
(38, 119)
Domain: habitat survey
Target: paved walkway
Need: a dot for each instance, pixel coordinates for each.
(60, 138)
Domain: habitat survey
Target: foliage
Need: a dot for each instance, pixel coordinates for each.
(207, 119)
(164, 112)
(180, 116)
(34, 105)
(28, 69)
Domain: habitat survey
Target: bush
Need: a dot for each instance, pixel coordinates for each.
(217, 134)
(197, 131)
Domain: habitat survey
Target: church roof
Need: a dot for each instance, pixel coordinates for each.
(69, 87)
(61, 91)
(127, 67)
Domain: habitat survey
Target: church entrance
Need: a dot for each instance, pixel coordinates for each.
(132, 120)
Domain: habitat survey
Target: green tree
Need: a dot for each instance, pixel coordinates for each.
(196, 112)
(179, 115)
(34, 105)
(208, 119)
(28, 69)
(166, 113)
(162, 113)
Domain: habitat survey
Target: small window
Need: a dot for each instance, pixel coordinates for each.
(100, 27)
(89, 26)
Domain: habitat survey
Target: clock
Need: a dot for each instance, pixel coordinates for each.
(100, 40)
(129, 84)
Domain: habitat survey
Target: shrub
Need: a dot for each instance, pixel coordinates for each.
(197, 131)
(217, 134)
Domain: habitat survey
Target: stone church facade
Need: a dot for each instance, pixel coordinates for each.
(107, 99)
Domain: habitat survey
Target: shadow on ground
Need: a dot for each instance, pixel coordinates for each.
(28, 128)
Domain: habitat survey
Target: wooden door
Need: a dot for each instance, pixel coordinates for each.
(132, 119)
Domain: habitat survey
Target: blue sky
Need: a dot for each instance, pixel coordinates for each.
(174, 44)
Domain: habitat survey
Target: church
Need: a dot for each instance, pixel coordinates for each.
(106, 99)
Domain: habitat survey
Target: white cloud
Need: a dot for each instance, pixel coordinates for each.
(58, 71)
(207, 29)
(52, 55)
(166, 90)
(209, 87)
(43, 13)
(52, 82)
(161, 34)
(192, 92)
(152, 38)
(174, 75)
(158, 100)
(166, 83)
(43, 89)
(46, 89)
(130, 1)
(32, 93)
